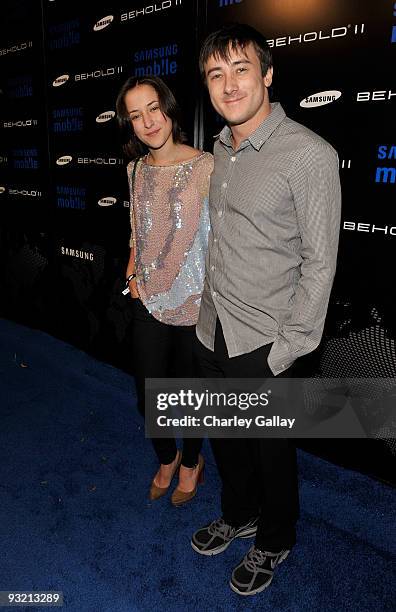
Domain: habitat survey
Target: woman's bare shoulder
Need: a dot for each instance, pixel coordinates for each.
(189, 152)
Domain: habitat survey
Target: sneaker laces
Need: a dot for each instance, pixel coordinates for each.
(256, 557)
(220, 528)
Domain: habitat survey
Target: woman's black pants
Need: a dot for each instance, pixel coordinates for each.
(162, 351)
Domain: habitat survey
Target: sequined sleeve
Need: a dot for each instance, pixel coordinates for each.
(132, 240)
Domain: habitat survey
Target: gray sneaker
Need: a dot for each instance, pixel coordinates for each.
(256, 571)
(217, 536)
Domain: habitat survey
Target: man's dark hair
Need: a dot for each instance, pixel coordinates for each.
(235, 36)
(132, 146)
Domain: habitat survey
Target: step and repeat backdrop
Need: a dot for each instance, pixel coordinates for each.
(63, 190)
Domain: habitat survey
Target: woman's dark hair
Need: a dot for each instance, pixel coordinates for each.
(234, 36)
(132, 146)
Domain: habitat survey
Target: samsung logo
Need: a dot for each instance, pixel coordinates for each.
(65, 159)
(61, 80)
(77, 253)
(107, 201)
(321, 98)
(106, 116)
(103, 23)
(386, 152)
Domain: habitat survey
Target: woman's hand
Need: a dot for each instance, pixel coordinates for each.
(133, 289)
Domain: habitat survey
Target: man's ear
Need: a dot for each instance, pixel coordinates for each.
(268, 77)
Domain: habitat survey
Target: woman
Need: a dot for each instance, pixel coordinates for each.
(169, 185)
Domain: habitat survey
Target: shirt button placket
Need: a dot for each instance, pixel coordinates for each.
(220, 214)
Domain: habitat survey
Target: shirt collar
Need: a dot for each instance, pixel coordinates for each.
(262, 133)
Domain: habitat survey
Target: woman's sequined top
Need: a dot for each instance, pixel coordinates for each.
(170, 225)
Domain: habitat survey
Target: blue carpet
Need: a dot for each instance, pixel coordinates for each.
(75, 469)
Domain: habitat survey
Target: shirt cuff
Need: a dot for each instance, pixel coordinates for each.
(282, 356)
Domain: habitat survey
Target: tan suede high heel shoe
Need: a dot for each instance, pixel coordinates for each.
(157, 492)
(180, 497)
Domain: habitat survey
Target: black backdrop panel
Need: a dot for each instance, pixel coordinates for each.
(90, 53)
(23, 133)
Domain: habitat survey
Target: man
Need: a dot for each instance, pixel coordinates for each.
(275, 214)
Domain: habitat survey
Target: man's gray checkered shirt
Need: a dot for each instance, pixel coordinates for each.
(275, 213)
